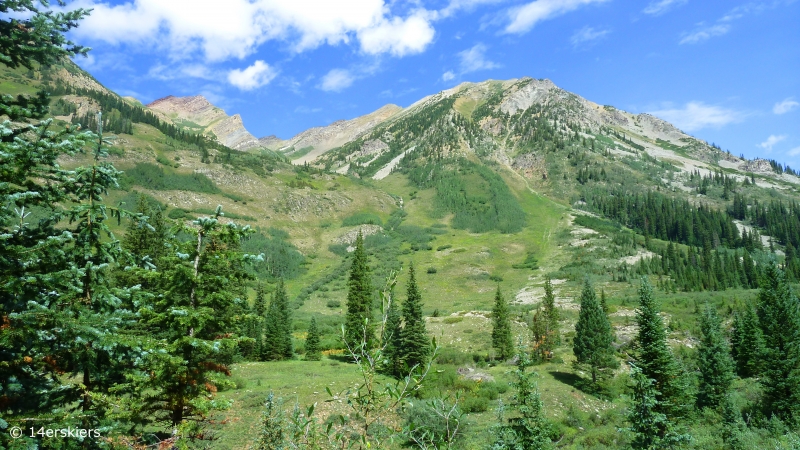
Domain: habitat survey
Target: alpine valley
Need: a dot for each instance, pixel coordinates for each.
(514, 190)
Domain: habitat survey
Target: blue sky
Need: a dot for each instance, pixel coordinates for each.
(725, 71)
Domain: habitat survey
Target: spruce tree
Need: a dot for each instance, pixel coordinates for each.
(655, 359)
(651, 428)
(190, 325)
(415, 349)
(312, 342)
(714, 360)
(501, 327)
(747, 343)
(34, 269)
(592, 344)
(392, 339)
(779, 318)
(551, 314)
(278, 326)
(528, 427)
(359, 326)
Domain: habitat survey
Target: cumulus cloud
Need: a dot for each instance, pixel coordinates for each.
(237, 29)
(523, 18)
(697, 115)
(771, 141)
(336, 80)
(704, 33)
(398, 37)
(794, 152)
(587, 34)
(657, 8)
(257, 75)
(785, 106)
(447, 76)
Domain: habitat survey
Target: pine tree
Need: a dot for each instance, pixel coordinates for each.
(34, 271)
(779, 318)
(655, 359)
(278, 326)
(392, 339)
(592, 344)
(190, 325)
(528, 428)
(312, 342)
(747, 343)
(359, 323)
(652, 430)
(714, 360)
(501, 327)
(416, 345)
(551, 314)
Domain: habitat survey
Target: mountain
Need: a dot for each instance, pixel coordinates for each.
(198, 114)
(485, 186)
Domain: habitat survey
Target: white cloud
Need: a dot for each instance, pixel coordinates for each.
(587, 34)
(236, 28)
(524, 18)
(474, 59)
(771, 141)
(337, 80)
(785, 106)
(660, 7)
(447, 76)
(704, 33)
(398, 36)
(794, 152)
(697, 115)
(257, 75)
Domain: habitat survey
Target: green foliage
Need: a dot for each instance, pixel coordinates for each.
(281, 258)
(313, 352)
(478, 198)
(530, 263)
(436, 423)
(359, 324)
(527, 428)
(656, 361)
(747, 343)
(415, 346)
(714, 360)
(154, 177)
(361, 219)
(779, 319)
(501, 327)
(278, 326)
(593, 335)
(651, 428)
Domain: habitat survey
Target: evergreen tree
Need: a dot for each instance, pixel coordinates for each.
(260, 302)
(592, 344)
(655, 359)
(416, 345)
(651, 428)
(747, 343)
(392, 339)
(278, 326)
(359, 324)
(190, 325)
(779, 318)
(313, 352)
(528, 428)
(714, 360)
(551, 313)
(34, 270)
(501, 327)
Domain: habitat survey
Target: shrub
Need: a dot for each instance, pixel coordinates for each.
(362, 219)
(334, 304)
(431, 270)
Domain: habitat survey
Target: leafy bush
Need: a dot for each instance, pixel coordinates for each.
(362, 219)
(154, 177)
(431, 270)
(281, 258)
(443, 247)
(334, 304)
